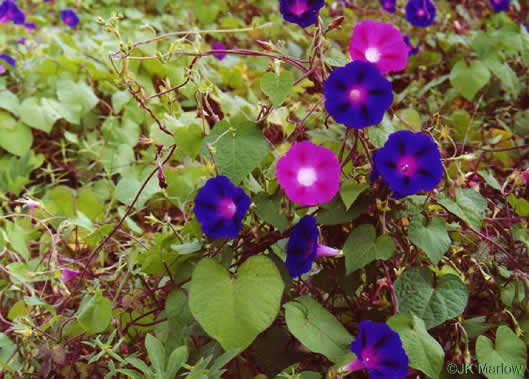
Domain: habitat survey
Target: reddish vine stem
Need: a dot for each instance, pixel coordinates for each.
(118, 225)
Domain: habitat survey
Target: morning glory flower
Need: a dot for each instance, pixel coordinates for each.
(9, 11)
(420, 12)
(220, 207)
(70, 18)
(409, 162)
(301, 12)
(69, 274)
(303, 247)
(379, 43)
(9, 60)
(309, 174)
(30, 26)
(412, 50)
(379, 350)
(500, 5)
(357, 95)
(389, 5)
(219, 46)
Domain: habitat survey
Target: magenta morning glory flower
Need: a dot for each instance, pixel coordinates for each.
(420, 12)
(219, 46)
(70, 18)
(379, 43)
(357, 94)
(68, 274)
(379, 350)
(309, 174)
(9, 60)
(303, 247)
(389, 5)
(500, 5)
(301, 12)
(409, 162)
(9, 11)
(412, 50)
(220, 207)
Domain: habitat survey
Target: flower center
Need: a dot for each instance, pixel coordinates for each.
(388, 5)
(357, 95)
(227, 208)
(369, 357)
(306, 176)
(407, 166)
(299, 7)
(372, 54)
(421, 12)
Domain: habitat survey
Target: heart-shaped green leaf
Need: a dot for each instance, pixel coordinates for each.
(362, 247)
(238, 151)
(317, 328)
(469, 206)
(432, 238)
(469, 80)
(416, 295)
(424, 352)
(277, 88)
(508, 353)
(235, 308)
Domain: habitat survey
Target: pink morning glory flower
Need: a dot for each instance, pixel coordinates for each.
(309, 174)
(379, 43)
(68, 274)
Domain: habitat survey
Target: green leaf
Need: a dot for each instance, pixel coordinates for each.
(469, 206)
(75, 100)
(119, 99)
(424, 352)
(88, 204)
(9, 101)
(508, 351)
(362, 247)
(188, 139)
(41, 117)
(16, 137)
(521, 206)
(469, 80)
(269, 210)
(416, 295)
(432, 238)
(490, 179)
(156, 353)
(334, 212)
(177, 358)
(96, 314)
(277, 88)
(350, 190)
(509, 79)
(237, 152)
(317, 328)
(17, 238)
(225, 304)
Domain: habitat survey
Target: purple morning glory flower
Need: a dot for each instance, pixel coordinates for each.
(411, 49)
(500, 5)
(70, 18)
(9, 11)
(420, 12)
(219, 46)
(357, 95)
(409, 162)
(389, 5)
(9, 60)
(379, 350)
(301, 12)
(303, 247)
(30, 26)
(220, 207)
